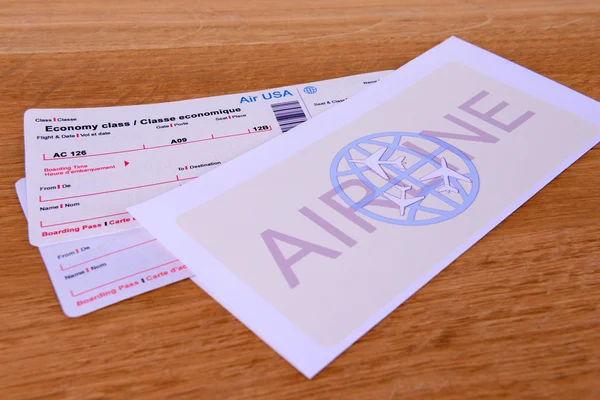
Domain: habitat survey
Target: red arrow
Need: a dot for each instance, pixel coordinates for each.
(126, 163)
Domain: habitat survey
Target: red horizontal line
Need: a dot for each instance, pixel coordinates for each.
(91, 155)
(213, 137)
(115, 190)
(105, 255)
(120, 279)
(179, 144)
(244, 133)
(81, 220)
(239, 134)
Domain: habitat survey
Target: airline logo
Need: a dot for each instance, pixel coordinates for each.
(404, 178)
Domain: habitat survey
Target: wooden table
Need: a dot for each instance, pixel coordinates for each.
(516, 316)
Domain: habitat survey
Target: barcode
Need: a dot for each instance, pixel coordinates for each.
(289, 114)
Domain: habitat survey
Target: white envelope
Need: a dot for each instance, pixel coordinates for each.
(314, 237)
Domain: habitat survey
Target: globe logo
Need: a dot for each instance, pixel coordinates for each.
(310, 90)
(404, 178)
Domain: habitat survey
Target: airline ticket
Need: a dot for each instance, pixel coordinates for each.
(92, 273)
(313, 238)
(85, 166)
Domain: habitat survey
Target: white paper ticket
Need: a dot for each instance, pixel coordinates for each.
(89, 274)
(94, 273)
(85, 166)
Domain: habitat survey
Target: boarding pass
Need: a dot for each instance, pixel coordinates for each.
(85, 166)
(89, 274)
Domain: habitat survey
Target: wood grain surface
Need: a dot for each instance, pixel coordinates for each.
(516, 316)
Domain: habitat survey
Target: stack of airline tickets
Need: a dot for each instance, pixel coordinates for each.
(311, 211)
